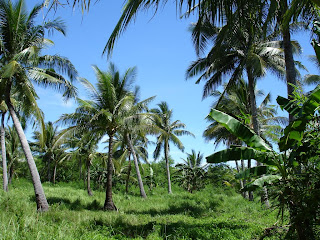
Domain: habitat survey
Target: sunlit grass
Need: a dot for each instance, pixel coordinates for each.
(209, 214)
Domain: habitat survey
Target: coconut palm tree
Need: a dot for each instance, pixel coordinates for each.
(51, 148)
(14, 152)
(191, 173)
(237, 50)
(236, 102)
(168, 131)
(3, 147)
(22, 65)
(105, 114)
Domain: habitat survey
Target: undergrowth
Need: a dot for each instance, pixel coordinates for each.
(208, 214)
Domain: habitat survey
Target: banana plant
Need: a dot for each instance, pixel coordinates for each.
(294, 171)
(278, 164)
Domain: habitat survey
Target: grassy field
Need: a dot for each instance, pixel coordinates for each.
(209, 214)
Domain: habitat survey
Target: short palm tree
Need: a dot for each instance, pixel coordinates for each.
(22, 65)
(168, 131)
(191, 174)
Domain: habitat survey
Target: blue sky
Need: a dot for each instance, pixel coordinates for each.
(159, 46)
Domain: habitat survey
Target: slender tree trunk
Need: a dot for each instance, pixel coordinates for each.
(255, 124)
(240, 180)
(3, 152)
(250, 192)
(42, 204)
(246, 194)
(80, 169)
(11, 172)
(128, 174)
(166, 151)
(288, 54)
(136, 164)
(108, 204)
(88, 179)
(49, 168)
(55, 173)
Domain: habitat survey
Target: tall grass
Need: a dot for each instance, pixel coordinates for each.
(209, 214)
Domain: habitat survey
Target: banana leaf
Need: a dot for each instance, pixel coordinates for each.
(261, 182)
(252, 172)
(243, 153)
(240, 130)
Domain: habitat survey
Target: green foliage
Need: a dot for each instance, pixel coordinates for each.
(296, 185)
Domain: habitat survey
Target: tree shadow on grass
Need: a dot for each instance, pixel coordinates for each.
(75, 205)
(185, 208)
(178, 230)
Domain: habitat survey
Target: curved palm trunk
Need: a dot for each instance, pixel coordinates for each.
(128, 174)
(108, 204)
(88, 179)
(166, 151)
(288, 56)
(136, 164)
(42, 204)
(3, 152)
(253, 105)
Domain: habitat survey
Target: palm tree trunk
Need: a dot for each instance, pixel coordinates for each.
(42, 204)
(88, 179)
(128, 174)
(250, 192)
(108, 204)
(246, 194)
(48, 168)
(166, 151)
(3, 152)
(55, 173)
(288, 55)
(255, 124)
(136, 164)
(240, 180)
(11, 172)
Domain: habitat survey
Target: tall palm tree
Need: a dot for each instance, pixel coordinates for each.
(168, 131)
(105, 113)
(22, 65)
(3, 147)
(238, 49)
(236, 102)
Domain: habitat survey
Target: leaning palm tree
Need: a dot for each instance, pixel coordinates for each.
(105, 114)
(168, 131)
(22, 65)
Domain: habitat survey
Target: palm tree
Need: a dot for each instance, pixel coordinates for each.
(238, 49)
(14, 152)
(191, 173)
(105, 114)
(168, 131)
(51, 148)
(3, 147)
(22, 65)
(235, 101)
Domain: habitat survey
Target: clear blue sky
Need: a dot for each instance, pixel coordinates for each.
(161, 49)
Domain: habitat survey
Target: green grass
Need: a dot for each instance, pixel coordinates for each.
(209, 214)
